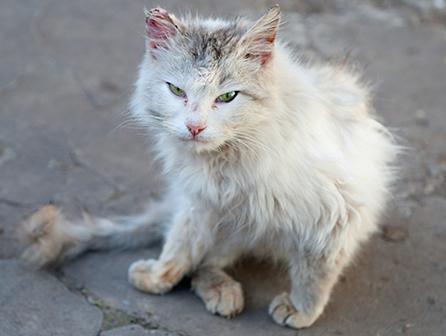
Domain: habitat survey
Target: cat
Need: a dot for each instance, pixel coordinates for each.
(263, 155)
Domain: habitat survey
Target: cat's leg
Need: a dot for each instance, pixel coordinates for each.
(220, 293)
(186, 243)
(51, 238)
(312, 279)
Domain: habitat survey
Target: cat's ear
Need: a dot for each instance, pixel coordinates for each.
(160, 27)
(259, 39)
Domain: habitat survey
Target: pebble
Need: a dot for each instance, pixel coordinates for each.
(394, 233)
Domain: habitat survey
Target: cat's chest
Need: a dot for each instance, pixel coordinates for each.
(241, 197)
(260, 193)
(221, 190)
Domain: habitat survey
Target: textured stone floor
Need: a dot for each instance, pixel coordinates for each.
(66, 71)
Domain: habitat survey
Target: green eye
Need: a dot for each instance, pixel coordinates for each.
(227, 97)
(176, 90)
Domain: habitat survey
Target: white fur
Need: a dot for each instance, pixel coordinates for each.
(317, 150)
(310, 178)
(296, 168)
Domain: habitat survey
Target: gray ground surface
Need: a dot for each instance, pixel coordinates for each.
(66, 70)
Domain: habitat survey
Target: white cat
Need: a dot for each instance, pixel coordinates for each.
(263, 156)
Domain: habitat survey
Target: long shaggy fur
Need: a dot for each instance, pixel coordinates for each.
(296, 168)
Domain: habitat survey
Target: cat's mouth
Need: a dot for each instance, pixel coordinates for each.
(198, 144)
(195, 140)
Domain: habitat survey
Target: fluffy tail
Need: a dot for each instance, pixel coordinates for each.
(51, 238)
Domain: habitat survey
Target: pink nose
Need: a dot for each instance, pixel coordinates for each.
(195, 129)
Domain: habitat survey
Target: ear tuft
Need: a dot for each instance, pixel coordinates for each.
(260, 38)
(160, 26)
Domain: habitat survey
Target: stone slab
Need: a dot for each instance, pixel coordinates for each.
(65, 76)
(36, 303)
(135, 330)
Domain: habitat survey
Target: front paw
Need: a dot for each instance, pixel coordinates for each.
(154, 277)
(221, 295)
(283, 312)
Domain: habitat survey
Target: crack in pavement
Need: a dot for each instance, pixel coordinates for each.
(17, 204)
(113, 317)
(39, 40)
(77, 161)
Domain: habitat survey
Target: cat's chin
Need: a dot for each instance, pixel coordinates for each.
(200, 145)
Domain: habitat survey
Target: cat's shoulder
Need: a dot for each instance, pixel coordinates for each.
(340, 86)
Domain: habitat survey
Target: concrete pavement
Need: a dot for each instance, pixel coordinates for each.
(66, 72)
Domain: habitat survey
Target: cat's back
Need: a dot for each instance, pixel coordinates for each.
(332, 87)
(330, 122)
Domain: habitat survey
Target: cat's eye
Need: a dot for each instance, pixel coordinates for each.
(227, 97)
(176, 90)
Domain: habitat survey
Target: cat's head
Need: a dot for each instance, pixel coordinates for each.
(203, 82)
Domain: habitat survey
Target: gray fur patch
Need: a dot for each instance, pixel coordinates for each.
(209, 48)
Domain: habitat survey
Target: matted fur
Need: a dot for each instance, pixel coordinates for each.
(296, 168)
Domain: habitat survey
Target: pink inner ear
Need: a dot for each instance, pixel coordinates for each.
(159, 26)
(265, 57)
(265, 47)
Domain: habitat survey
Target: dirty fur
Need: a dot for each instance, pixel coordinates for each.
(295, 169)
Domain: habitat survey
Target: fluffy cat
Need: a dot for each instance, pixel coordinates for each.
(262, 155)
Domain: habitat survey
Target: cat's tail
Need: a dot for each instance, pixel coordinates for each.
(51, 238)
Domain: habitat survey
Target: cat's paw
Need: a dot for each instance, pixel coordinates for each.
(44, 241)
(152, 276)
(221, 294)
(283, 312)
